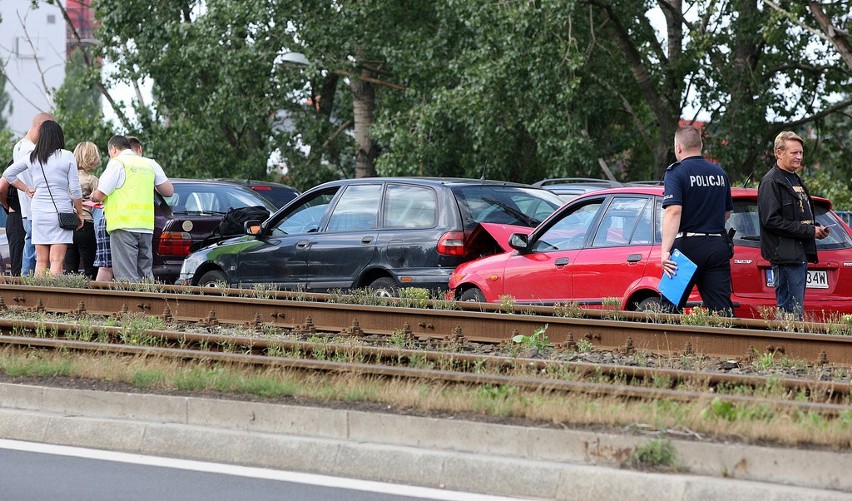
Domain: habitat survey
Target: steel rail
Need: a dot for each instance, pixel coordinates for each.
(384, 371)
(818, 390)
(487, 327)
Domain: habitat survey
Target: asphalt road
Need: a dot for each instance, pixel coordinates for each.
(31, 471)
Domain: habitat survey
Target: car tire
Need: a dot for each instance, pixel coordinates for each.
(212, 278)
(652, 304)
(384, 287)
(472, 295)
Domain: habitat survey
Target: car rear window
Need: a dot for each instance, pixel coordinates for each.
(277, 195)
(504, 204)
(745, 220)
(212, 198)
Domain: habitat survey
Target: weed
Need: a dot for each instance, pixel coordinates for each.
(696, 316)
(398, 339)
(266, 387)
(537, 341)
(507, 303)
(728, 411)
(68, 281)
(263, 290)
(611, 303)
(764, 360)
(584, 346)
(414, 297)
(148, 378)
(570, 309)
(658, 454)
(661, 381)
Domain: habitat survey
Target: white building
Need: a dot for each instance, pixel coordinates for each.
(32, 53)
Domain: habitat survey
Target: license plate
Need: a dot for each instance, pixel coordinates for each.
(817, 279)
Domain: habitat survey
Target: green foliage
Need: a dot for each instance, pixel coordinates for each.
(78, 107)
(657, 454)
(7, 142)
(833, 186)
(726, 410)
(516, 91)
(538, 340)
(4, 101)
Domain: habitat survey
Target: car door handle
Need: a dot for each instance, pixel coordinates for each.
(367, 239)
(562, 261)
(303, 244)
(634, 258)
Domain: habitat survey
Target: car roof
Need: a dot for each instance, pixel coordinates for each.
(638, 189)
(252, 182)
(433, 181)
(573, 181)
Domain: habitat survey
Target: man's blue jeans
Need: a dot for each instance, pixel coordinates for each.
(28, 260)
(790, 282)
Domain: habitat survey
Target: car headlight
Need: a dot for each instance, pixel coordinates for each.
(191, 263)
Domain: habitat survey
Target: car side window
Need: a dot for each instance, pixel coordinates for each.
(620, 221)
(408, 206)
(306, 216)
(570, 231)
(357, 209)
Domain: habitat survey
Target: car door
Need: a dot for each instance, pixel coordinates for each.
(543, 275)
(616, 256)
(347, 244)
(282, 251)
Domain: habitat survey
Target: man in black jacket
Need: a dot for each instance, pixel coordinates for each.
(788, 229)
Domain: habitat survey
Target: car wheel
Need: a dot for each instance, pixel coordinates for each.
(473, 295)
(384, 287)
(213, 278)
(652, 304)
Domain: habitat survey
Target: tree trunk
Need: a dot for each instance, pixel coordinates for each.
(363, 112)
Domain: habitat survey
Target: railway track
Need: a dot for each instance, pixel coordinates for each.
(631, 331)
(623, 382)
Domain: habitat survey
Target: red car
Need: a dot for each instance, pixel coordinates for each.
(606, 244)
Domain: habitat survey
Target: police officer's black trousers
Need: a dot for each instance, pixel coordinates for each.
(712, 257)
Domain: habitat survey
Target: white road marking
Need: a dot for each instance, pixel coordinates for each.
(247, 471)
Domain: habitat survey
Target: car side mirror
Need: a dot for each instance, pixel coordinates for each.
(519, 242)
(252, 227)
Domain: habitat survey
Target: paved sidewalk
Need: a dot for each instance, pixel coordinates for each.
(506, 460)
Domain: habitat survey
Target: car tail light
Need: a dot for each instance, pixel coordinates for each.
(451, 243)
(261, 188)
(174, 243)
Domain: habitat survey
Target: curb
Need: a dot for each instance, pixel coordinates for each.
(444, 453)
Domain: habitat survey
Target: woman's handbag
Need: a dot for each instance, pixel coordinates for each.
(67, 220)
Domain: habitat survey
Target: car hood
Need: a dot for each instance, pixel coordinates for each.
(493, 238)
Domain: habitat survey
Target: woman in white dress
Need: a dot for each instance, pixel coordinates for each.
(56, 188)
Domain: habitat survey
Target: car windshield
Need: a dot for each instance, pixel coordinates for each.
(505, 204)
(745, 220)
(212, 198)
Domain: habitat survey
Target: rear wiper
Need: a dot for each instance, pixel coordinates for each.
(529, 221)
(754, 238)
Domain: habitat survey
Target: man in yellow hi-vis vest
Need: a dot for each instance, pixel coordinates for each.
(127, 189)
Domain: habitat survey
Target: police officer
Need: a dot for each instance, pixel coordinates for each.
(697, 202)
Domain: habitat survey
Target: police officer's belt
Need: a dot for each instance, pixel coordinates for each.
(690, 234)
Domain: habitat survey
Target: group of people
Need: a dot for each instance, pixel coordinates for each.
(697, 202)
(45, 180)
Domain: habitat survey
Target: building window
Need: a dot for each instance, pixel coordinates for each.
(51, 19)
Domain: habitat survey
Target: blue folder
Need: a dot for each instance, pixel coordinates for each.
(674, 287)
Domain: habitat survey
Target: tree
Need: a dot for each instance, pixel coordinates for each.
(78, 105)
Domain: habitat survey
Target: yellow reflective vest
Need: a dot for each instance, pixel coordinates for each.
(132, 205)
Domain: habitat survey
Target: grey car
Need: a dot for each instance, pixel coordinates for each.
(382, 233)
